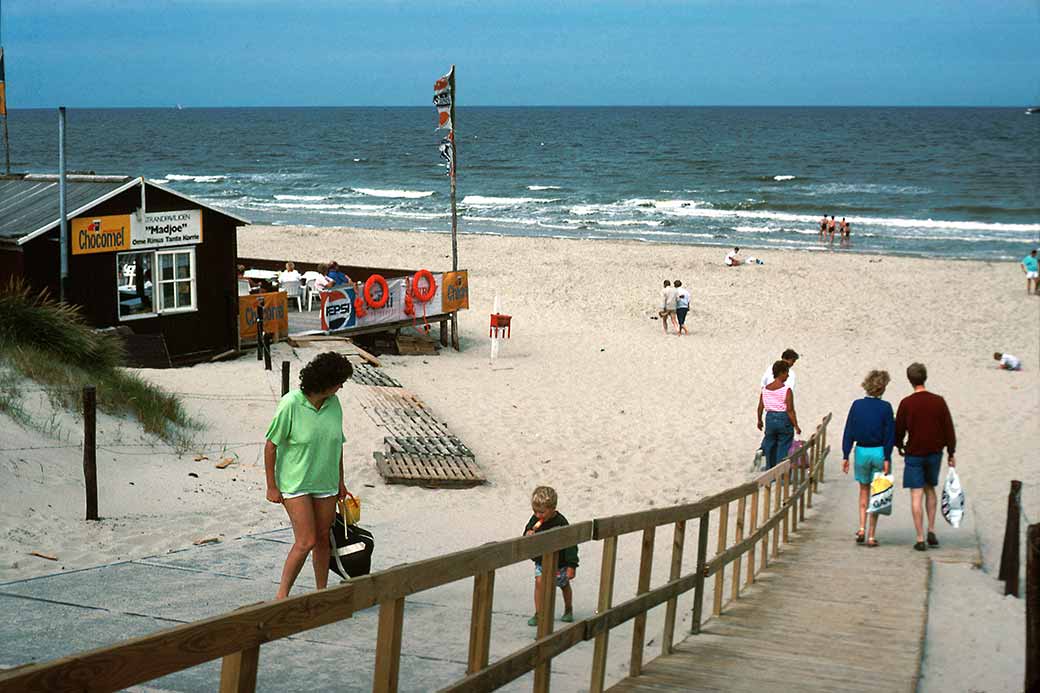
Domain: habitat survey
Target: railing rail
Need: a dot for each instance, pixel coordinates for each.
(769, 507)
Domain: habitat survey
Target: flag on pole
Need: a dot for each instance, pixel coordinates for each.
(3, 88)
(446, 154)
(442, 98)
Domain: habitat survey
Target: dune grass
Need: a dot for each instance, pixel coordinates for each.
(51, 344)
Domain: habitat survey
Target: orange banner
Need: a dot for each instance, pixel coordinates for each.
(455, 291)
(100, 234)
(276, 316)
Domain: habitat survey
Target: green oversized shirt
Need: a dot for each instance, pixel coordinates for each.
(310, 444)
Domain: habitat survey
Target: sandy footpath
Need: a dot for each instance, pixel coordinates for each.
(588, 396)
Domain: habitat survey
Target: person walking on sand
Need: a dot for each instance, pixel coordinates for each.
(869, 426)
(1031, 266)
(924, 421)
(303, 461)
(669, 302)
(682, 306)
(790, 357)
(544, 517)
(781, 423)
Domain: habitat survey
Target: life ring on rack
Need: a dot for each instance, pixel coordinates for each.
(431, 285)
(376, 279)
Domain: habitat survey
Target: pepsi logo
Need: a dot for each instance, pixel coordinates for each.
(337, 309)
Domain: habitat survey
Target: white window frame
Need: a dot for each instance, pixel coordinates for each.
(136, 316)
(159, 282)
(158, 307)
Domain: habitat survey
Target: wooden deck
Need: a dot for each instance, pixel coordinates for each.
(827, 615)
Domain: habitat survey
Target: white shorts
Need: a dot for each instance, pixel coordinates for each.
(1032, 275)
(312, 495)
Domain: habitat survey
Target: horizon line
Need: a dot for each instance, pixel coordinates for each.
(256, 106)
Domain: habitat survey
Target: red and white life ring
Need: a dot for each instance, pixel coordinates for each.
(431, 285)
(376, 279)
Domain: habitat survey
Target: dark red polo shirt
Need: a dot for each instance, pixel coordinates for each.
(924, 419)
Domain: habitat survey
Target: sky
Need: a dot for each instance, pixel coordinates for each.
(118, 53)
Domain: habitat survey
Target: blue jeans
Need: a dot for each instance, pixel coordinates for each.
(778, 436)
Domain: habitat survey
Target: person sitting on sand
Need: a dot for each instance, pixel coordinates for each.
(682, 306)
(290, 275)
(870, 426)
(669, 299)
(1007, 361)
(777, 400)
(1031, 266)
(543, 518)
(733, 259)
(303, 461)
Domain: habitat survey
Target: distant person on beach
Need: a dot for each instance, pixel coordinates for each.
(543, 518)
(1007, 361)
(669, 303)
(1031, 266)
(336, 275)
(682, 306)
(790, 357)
(831, 226)
(290, 275)
(846, 236)
(781, 423)
(733, 259)
(303, 460)
(324, 281)
(823, 226)
(924, 420)
(870, 426)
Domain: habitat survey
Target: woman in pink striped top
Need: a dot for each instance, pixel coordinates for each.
(777, 400)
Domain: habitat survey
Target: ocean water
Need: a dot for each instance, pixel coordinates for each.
(950, 182)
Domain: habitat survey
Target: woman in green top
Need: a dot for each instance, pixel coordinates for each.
(303, 458)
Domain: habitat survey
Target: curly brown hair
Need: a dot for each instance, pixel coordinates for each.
(876, 382)
(325, 370)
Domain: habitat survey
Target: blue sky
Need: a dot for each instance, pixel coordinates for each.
(95, 53)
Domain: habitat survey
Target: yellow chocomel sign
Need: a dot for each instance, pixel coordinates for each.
(100, 234)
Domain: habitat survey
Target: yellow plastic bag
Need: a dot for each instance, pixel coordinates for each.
(351, 509)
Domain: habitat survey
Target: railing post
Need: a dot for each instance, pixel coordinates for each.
(777, 483)
(480, 623)
(720, 576)
(285, 378)
(786, 484)
(767, 515)
(823, 446)
(678, 541)
(90, 449)
(702, 559)
(754, 528)
(1009, 556)
(646, 564)
(388, 646)
(735, 587)
(546, 614)
(1032, 682)
(606, 600)
(238, 671)
(810, 457)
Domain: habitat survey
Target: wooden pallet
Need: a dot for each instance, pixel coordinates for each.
(447, 445)
(365, 374)
(431, 471)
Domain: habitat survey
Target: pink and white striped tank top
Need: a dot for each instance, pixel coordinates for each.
(775, 400)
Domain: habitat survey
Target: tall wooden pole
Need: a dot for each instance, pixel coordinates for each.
(90, 449)
(1032, 682)
(454, 212)
(3, 112)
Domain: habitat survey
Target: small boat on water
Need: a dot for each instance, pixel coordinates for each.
(1033, 110)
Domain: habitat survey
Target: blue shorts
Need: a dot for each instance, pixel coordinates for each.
(561, 575)
(868, 461)
(922, 471)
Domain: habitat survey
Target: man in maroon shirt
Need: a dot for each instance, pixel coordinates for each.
(924, 420)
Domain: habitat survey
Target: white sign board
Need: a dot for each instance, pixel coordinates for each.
(162, 229)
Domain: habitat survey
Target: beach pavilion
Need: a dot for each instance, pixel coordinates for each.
(141, 257)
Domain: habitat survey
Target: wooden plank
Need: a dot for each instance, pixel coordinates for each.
(675, 571)
(238, 671)
(626, 611)
(480, 621)
(720, 584)
(737, 539)
(779, 510)
(754, 527)
(546, 615)
(388, 646)
(768, 498)
(646, 565)
(702, 558)
(632, 522)
(606, 597)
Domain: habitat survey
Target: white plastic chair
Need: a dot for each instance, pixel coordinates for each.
(312, 292)
(293, 290)
(243, 287)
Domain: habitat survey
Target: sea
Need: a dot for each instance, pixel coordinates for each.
(945, 182)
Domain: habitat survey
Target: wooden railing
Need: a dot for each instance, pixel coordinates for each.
(768, 510)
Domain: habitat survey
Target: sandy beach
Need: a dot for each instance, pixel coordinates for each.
(588, 396)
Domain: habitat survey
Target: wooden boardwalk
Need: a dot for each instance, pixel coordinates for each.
(827, 615)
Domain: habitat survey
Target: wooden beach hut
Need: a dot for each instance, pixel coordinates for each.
(141, 257)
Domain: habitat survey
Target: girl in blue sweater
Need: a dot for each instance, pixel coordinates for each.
(871, 427)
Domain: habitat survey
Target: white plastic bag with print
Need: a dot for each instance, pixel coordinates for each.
(953, 498)
(881, 491)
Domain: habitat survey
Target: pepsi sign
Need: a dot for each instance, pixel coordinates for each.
(337, 309)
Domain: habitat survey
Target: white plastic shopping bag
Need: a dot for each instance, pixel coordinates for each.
(881, 491)
(953, 498)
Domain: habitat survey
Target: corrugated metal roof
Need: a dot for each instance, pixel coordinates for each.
(28, 205)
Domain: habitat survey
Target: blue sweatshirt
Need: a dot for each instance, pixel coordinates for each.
(870, 424)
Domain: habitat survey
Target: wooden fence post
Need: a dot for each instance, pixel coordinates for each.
(1009, 556)
(1032, 682)
(285, 378)
(480, 623)
(777, 483)
(754, 527)
(720, 576)
(702, 559)
(238, 671)
(546, 614)
(810, 458)
(765, 518)
(606, 600)
(785, 480)
(388, 646)
(646, 565)
(739, 537)
(678, 541)
(803, 474)
(90, 449)
(823, 446)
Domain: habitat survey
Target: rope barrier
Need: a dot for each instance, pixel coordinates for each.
(214, 446)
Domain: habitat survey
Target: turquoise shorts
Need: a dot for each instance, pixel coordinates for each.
(868, 461)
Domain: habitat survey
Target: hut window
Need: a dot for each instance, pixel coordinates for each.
(176, 279)
(134, 284)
